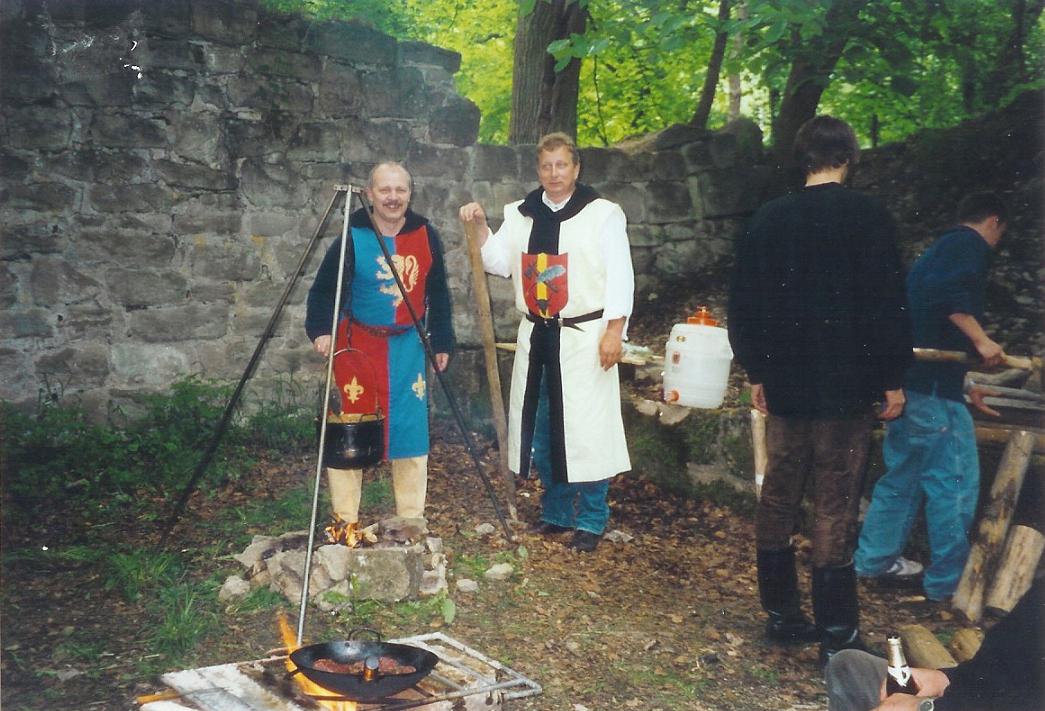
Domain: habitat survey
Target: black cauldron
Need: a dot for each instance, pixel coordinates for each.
(356, 444)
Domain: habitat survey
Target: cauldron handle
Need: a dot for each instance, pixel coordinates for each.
(355, 630)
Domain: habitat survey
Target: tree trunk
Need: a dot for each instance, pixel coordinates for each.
(544, 100)
(811, 72)
(718, 52)
(1016, 571)
(1010, 67)
(735, 52)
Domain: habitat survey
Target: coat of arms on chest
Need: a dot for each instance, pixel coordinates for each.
(545, 283)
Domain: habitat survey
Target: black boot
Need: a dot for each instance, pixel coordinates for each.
(778, 590)
(837, 610)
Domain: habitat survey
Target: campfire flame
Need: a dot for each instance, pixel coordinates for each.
(306, 685)
(343, 532)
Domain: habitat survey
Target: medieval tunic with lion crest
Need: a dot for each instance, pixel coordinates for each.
(379, 361)
(558, 263)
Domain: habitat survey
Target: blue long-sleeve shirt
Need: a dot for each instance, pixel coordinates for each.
(949, 278)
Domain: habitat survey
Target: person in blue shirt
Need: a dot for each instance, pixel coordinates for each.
(930, 452)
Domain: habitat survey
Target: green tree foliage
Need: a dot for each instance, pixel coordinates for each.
(904, 64)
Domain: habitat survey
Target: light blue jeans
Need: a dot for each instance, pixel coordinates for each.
(930, 455)
(581, 505)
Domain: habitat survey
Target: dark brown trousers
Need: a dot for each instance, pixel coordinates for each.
(829, 456)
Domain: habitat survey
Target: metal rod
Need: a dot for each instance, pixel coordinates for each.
(230, 407)
(458, 417)
(324, 405)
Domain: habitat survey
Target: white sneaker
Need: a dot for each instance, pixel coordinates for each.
(902, 570)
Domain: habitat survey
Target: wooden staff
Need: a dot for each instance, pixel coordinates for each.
(936, 356)
(994, 524)
(493, 375)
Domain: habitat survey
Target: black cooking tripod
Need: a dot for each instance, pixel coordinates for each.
(226, 418)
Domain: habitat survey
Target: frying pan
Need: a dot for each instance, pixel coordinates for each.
(353, 686)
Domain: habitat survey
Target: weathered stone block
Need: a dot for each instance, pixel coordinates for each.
(13, 168)
(630, 197)
(266, 184)
(8, 286)
(282, 63)
(87, 365)
(411, 52)
(668, 202)
(352, 42)
(137, 288)
(340, 90)
(314, 141)
(455, 122)
(148, 365)
(36, 238)
(269, 93)
(281, 31)
(598, 165)
(17, 366)
(730, 192)
(192, 175)
(433, 161)
(269, 223)
(389, 574)
(26, 323)
(126, 246)
(231, 23)
(494, 162)
(697, 156)
(179, 323)
(43, 197)
(227, 259)
(102, 90)
(644, 235)
(748, 143)
(31, 128)
(88, 320)
(641, 258)
(127, 131)
(388, 93)
(110, 166)
(667, 165)
(164, 89)
(171, 18)
(130, 197)
(53, 282)
(223, 60)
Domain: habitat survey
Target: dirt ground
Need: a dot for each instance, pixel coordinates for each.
(669, 620)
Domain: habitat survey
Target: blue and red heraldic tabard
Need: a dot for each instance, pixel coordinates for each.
(379, 359)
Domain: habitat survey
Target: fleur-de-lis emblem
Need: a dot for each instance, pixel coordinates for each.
(419, 387)
(354, 390)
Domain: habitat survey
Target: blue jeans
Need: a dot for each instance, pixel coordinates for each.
(581, 505)
(930, 455)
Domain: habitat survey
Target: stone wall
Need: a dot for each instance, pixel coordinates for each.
(163, 165)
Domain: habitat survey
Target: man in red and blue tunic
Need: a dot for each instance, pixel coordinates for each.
(379, 359)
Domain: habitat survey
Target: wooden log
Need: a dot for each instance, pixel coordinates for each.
(493, 376)
(993, 526)
(1023, 550)
(936, 356)
(965, 643)
(997, 433)
(924, 650)
(759, 449)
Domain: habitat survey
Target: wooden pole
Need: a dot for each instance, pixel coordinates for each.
(937, 356)
(924, 650)
(1016, 571)
(994, 524)
(493, 375)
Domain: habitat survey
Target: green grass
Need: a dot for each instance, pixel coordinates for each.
(142, 570)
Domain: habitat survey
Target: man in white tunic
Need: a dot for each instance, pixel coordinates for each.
(566, 250)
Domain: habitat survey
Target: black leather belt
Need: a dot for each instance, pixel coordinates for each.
(563, 322)
(381, 331)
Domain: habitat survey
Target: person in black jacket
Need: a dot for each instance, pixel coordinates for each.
(1006, 672)
(379, 359)
(817, 318)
